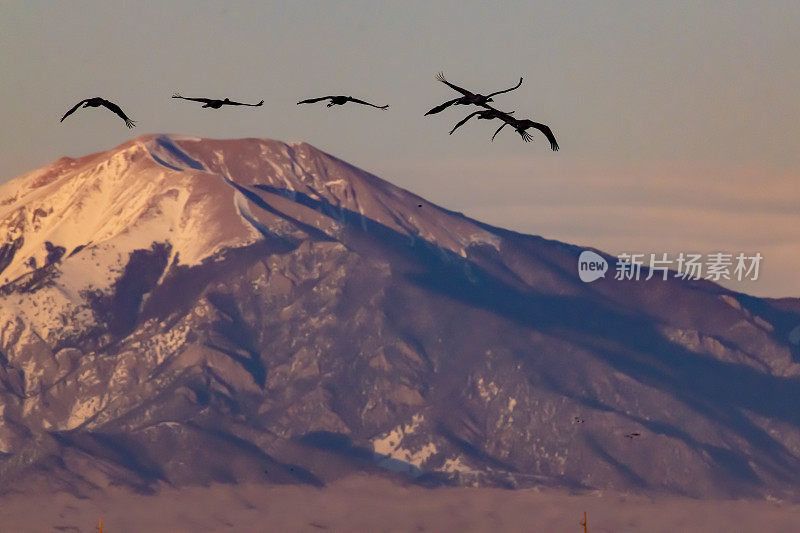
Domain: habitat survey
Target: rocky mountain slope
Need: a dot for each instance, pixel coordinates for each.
(184, 311)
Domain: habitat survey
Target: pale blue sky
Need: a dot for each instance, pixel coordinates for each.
(679, 122)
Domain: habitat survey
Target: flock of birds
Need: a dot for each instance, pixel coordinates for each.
(521, 126)
(488, 112)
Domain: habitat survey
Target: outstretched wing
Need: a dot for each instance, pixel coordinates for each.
(231, 102)
(71, 111)
(506, 90)
(441, 78)
(312, 100)
(203, 100)
(442, 107)
(464, 121)
(498, 130)
(116, 109)
(356, 100)
(547, 133)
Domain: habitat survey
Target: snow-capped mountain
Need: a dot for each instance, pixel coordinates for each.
(186, 310)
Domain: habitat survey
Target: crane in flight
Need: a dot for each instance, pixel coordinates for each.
(522, 125)
(340, 100)
(485, 114)
(97, 102)
(214, 103)
(468, 98)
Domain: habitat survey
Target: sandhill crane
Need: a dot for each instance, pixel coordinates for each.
(97, 102)
(468, 98)
(521, 125)
(216, 104)
(485, 114)
(340, 100)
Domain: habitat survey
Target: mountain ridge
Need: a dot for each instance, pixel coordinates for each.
(181, 310)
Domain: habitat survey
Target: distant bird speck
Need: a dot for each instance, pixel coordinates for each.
(340, 100)
(97, 102)
(632, 435)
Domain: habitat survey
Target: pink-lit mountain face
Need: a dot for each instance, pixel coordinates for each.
(181, 310)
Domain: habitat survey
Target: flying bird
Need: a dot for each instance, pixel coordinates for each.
(632, 435)
(215, 104)
(97, 102)
(468, 98)
(340, 100)
(485, 114)
(521, 125)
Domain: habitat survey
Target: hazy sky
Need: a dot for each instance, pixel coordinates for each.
(678, 122)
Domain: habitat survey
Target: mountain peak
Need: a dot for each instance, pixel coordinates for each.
(202, 195)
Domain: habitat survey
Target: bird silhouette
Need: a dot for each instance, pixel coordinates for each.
(216, 104)
(633, 435)
(485, 114)
(521, 125)
(97, 102)
(468, 98)
(340, 100)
